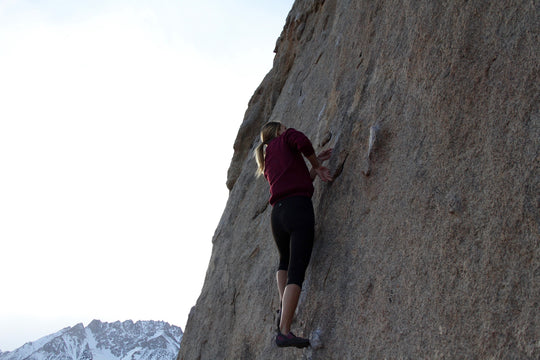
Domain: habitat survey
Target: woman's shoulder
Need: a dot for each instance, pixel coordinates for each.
(293, 133)
(294, 136)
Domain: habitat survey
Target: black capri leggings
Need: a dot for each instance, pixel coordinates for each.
(293, 224)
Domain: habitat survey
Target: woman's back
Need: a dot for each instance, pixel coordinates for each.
(285, 168)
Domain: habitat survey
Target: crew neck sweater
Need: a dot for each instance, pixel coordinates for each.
(285, 168)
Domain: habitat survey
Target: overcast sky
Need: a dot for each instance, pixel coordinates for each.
(117, 120)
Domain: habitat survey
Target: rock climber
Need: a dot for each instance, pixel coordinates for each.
(279, 159)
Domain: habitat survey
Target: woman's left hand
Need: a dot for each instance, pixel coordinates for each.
(324, 173)
(325, 155)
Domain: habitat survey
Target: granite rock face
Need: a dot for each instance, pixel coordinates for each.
(428, 241)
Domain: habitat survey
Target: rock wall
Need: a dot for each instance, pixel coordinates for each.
(427, 242)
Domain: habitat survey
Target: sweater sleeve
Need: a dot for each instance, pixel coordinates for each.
(299, 141)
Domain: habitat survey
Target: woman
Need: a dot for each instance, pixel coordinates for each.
(279, 159)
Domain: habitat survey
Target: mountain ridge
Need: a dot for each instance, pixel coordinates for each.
(141, 340)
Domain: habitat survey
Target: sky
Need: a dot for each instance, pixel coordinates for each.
(117, 121)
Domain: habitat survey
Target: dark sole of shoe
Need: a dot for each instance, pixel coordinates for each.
(298, 346)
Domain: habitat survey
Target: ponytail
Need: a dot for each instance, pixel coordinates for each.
(268, 132)
(259, 157)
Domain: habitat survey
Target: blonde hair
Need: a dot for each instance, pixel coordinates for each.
(269, 131)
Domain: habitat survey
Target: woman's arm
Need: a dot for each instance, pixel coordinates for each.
(300, 142)
(318, 169)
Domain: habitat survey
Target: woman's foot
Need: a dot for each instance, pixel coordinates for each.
(291, 340)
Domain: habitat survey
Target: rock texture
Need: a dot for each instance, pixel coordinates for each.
(428, 241)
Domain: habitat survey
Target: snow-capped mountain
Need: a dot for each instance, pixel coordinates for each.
(143, 340)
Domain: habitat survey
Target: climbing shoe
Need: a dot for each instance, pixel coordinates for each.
(291, 340)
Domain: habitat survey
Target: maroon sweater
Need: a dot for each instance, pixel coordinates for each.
(285, 168)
